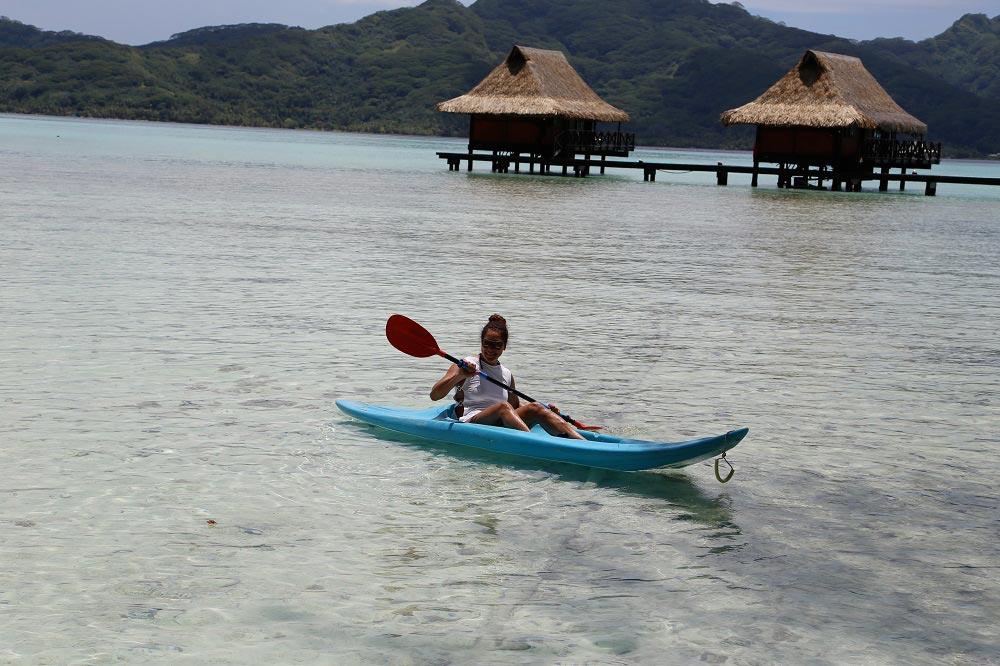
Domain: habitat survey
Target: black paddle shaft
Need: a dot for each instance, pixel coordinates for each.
(499, 383)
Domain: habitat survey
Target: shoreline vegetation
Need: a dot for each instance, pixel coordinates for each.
(747, 152)
(673, 68)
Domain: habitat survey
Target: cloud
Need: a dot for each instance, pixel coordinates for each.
(902, 7)
(868, 19)
(143, 21)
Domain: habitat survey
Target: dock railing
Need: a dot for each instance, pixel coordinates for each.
(787, 177)
(897, 153)
(595, 143)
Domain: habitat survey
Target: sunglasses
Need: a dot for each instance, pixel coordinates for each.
(493, 344)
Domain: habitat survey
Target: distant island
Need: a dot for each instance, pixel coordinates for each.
(674, 67)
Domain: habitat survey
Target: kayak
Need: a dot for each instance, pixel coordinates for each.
(597, 450)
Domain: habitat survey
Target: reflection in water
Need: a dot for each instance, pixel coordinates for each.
(671, 486)
(544, 558)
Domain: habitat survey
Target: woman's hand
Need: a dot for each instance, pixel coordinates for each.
(456, 374)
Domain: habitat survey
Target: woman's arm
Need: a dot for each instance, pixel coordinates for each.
(451, 379)
(512, 398)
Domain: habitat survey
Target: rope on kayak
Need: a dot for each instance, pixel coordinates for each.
(732, 470)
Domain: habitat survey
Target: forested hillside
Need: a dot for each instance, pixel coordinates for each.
(674, 66)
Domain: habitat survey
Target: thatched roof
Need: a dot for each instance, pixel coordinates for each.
(826, 90)
(534, 82)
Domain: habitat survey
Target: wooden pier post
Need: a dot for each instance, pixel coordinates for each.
(722, 175)
(848, 179)
(883, 184)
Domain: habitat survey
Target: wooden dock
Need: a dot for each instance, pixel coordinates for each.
(787, 177)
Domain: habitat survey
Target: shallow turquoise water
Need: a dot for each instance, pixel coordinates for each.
(183, 304)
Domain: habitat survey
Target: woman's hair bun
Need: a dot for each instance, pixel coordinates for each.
(496, 322)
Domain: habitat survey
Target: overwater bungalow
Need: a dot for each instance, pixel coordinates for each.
(829, 112)
(534, 104)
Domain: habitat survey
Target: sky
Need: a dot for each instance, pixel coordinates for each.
(142, 21)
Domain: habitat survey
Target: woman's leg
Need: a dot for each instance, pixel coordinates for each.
(554, 424)
(501, 413)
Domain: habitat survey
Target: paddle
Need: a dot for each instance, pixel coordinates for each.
(411, 338)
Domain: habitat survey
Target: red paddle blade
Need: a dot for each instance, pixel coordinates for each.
(410, 337)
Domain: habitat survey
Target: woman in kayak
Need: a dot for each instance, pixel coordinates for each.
(488, 404)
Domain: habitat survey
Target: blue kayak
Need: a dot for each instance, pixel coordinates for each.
(604, 451)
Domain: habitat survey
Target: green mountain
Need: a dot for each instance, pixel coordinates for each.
(673, 65)
(966, 55)
(18, 35)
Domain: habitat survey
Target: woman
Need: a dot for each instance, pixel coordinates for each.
(488, 404)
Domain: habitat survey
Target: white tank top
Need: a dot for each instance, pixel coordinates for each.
(481, 393)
